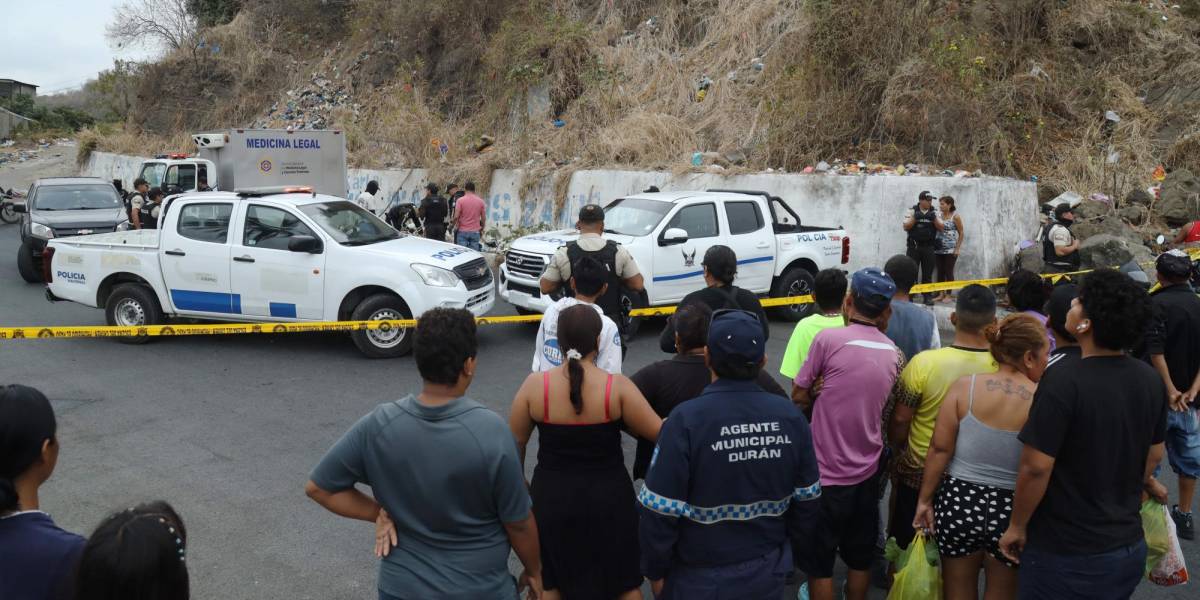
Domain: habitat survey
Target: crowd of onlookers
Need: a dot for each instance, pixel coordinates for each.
(1024, 447)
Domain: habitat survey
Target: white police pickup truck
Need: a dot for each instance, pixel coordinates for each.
(269, 255)
(668, 232)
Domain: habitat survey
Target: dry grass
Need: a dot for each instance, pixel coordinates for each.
(1013, 87)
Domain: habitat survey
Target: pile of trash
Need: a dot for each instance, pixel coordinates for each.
(309, 106)
(719, 161)
(20, 155)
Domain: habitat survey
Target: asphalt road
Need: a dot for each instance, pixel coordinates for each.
(227, 428)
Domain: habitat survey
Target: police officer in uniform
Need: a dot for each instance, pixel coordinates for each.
(923, 224)
(622, 269)
(149, 211)
(1060, 248)
(732, 480)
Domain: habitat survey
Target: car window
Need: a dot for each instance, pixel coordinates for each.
(207, 222)
(698, 220)
(183, 176)
(349, 224)
(271, 228)
(85, 196)
(744, 217)
(634, 216)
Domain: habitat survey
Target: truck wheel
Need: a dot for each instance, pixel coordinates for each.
(132, 305)
(796, 281)
(631, 300)
(382, 343)
(29, 266)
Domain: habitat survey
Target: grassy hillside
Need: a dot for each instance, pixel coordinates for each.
(1009, 87)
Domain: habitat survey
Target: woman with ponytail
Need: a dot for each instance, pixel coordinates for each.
(966, 494)
(582, 494)
(37, 558)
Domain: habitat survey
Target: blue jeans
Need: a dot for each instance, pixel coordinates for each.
(470, 239)
(1183, 442)
(1112, 575)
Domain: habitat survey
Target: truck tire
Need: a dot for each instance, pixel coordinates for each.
(29, 267)
(631, 300)
(796, 281)
(382, 343)
(132, 305)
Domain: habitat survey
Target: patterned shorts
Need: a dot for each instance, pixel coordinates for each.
(969, 517)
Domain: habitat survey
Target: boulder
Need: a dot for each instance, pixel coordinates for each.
(1091, 209)
(1112, 225)
(1180, 199)
(1030, 258)
(1142, 197)
(1107, 250)
(1134, 214)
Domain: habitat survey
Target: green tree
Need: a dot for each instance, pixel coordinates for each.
(210, 13)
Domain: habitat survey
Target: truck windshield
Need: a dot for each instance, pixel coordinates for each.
(76, 197)
(348, 224)
(634, 216)
(153, 173)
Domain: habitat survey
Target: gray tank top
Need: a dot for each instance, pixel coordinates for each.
(985, 455)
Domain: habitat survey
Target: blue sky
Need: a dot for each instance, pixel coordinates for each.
(57, 44)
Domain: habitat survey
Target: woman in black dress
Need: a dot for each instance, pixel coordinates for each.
(582, 495)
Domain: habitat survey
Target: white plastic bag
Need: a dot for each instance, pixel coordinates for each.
(1171, 569)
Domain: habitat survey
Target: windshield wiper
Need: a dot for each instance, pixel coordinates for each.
(612, 231)
(368, 241)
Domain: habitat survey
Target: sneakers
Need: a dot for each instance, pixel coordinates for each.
(1183, 523)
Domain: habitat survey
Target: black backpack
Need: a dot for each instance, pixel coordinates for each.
(610, 302)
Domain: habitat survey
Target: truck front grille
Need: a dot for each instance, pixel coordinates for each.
(70, 231)
(525, 264)
(474, 274)
(478, 299)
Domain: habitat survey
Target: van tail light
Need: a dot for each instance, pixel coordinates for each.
(845, 249)
(47, 258)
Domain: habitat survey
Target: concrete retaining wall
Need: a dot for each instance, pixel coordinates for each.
(997, 212)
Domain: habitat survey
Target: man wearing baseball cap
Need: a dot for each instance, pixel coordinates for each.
(860, 367)
(1173, 347)
(923, 223)
(1067, 353)
(1060, 249)
(732, 479)
(622, 269)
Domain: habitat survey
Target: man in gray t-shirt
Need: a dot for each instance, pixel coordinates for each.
(445, 468)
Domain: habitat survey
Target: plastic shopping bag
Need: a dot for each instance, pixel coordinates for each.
(1154, 524)
(1171, 569)
(918, 570)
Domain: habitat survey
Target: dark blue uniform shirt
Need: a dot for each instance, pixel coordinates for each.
(733, 473)
(37, 558)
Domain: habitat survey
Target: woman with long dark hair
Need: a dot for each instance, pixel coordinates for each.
(36, 556)
(136, 554)
(582, 494)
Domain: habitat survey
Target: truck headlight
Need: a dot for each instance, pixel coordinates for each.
(124, 226)
(41, 231)
(436, 276)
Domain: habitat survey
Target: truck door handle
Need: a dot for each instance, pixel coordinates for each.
(762, 245)
(243, 259)
(176, 252)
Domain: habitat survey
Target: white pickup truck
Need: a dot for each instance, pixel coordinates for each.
(668, 232)
(269, 255)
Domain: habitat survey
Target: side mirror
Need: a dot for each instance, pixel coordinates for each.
(305, 243)
(20, 208)
(171, 190)
(673, 236)
(1160, 239)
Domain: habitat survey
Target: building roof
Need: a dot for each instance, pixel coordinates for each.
(18, 82)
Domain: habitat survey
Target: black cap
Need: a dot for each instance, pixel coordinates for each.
(1061, 210)
(926, 195)
(591, 213)
(1059, 304)
(1174, 263)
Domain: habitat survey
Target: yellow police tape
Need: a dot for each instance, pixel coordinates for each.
(19, 333)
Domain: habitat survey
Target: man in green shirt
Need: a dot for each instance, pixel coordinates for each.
(829, 289)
